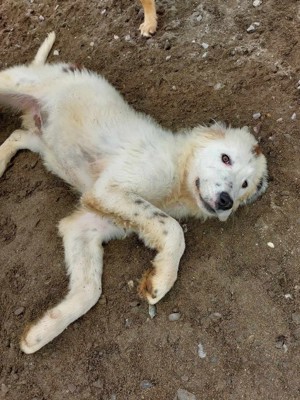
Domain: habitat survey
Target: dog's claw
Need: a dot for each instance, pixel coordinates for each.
(148, 28)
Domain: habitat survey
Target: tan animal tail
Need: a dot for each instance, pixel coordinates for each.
(44, 50)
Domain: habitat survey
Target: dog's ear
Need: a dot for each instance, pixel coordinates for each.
(260, 189)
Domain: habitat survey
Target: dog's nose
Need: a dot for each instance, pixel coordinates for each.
(225, 201)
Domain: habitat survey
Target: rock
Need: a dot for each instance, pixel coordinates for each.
(134, 303)
(256, 115)
(19, 311)
(183, 394)
(98, 384)
(253, 27)
(71, 388)
(4, 389)
(296, 333)
(294, 117)
(201, 352)
(215, 316)
(152, 310)
(175, 316)
(167, 45)
(145, 384)
(205, 45)
(271, 245)
(257, 3)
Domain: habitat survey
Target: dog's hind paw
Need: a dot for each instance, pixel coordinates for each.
(148, 28)
(41, 332)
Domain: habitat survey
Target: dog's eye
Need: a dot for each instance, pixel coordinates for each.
(245, 184)
(226, 159)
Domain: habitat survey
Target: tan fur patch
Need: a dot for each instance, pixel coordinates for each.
(95, 205)
(145, 286)
(256, 150)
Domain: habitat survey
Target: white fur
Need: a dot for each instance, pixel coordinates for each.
(133, 175)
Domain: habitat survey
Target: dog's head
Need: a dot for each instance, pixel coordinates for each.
(227, 169)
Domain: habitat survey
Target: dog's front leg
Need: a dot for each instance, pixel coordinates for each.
(157, 229)
(148, 27)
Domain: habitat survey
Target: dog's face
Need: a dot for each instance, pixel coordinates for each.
(227, 171)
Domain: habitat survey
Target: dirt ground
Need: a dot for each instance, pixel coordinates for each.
(237, 297)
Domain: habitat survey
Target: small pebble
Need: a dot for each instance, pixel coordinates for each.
(288, 296)
(152, 310)
(71, 388)
(279, 120)
(41, 18)
(296, 333)
(116, 37)
(102, 300)
(4, 389)
(19, 311)
(146, 384)
(183, 394)
(167, 45)
(56, 52)
(98, 384)
(215, 316)
(130, 284)
(270, 244)
(205, 45)
(127, 38)
(293, 117)
(256, 115)
(252, 27)
(218, 86)
(175, 316)
(168, 58)
(92, 44)
(201, 352)
(134, 303)
(257, 3)
(103, 11)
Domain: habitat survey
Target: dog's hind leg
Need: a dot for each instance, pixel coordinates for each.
(19, 140)
(83, 233)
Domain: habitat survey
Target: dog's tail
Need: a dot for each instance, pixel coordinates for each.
(44, 50)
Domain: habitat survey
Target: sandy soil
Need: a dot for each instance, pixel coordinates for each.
(237, 296)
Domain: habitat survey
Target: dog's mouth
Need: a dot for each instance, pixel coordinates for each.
(221, 215)
(207, 206)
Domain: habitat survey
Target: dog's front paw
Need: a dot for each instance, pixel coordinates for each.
(148, 27)
(154, 285)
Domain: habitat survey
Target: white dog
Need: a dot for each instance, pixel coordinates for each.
(133, 176)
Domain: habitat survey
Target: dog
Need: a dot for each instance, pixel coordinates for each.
(132, 175)
(148, 27)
